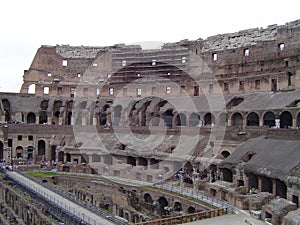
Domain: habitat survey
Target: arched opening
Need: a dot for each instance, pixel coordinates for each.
(168, 118)
(68, 115)
(103, 118)
(85, 158)
(31, 118)
(53, 153)
(148, 198)
(41, 147)
(31, 89)
(43, 117)
(7, 111)
(56, 118)
(44, 105)
(252, 119)
(96, 158)
(225, 154)
(253, 181)
(227, 175)
(19, 152)
(117, 115)
(19, 117)
(194, 120)
(269, 119)
(142, 162)
(30, 153)
(188, 168)
(162, 204)
(191, 210)
(1, 151)
(181, 120)
(281, 188)
(286, 120)
(60, 156)
(131, 160)
(177, 206)
(222, 119)
(267, 185)
(154, 164)
(209, 119)
(237, 120)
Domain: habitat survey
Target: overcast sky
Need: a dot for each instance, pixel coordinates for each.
(26, 25)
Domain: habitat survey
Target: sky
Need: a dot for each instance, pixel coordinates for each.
(26, 25)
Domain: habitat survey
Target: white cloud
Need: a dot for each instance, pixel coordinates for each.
(25, 25)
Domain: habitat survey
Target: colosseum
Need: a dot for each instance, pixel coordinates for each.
(219, 115)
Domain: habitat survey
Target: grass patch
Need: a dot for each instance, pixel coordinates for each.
(40, 174)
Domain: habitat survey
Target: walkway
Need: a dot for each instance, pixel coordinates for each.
(87, 216)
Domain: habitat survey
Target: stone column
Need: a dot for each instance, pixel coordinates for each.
(274, 188)
(259, 184)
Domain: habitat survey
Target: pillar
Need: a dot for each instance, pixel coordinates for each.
(259, 184)
(94, 121)
(274, 187)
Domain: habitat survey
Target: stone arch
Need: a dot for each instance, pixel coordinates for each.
(191, 210)
(31, 118)
(43, 118)
(168, 118)
(19, 117)
(252, 119)
(148, 198)
(181, 119)
(194, 120)
(117, 115)
(60, 157)
(19, 152)
(188, 167)
(30, 152)
(269, 119)
(237, 119)
(222, 119)
(225, 153)
(7, 110)
(41, 147)
(31, 89)
(56, 112)
(209, 119)
(286, 120)
(44, 104)
(162, 203)
(68, 118)
(131, 160)
(177, 206)
(142, 161)
(85, 158)
(1, 151)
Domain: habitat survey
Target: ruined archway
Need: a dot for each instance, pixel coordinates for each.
(43, 119)
(181, 120)
(209, 119)
(177, 206)
(68, 118)
(191, 210)
(162, 204)
(148, 198)
(237, 120)
(227, 175)
(142, 161)
(269, 119)
(253, 181)
(31, 118)
(7, 110)
(168, 118)
(222, 119)
(41, 147)
(252, 119)
(286, 120)
(60, 157)
(131, 160)
(225, 154)
(19, 152)
(194, 120)
(117, 115)
(30, 152)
